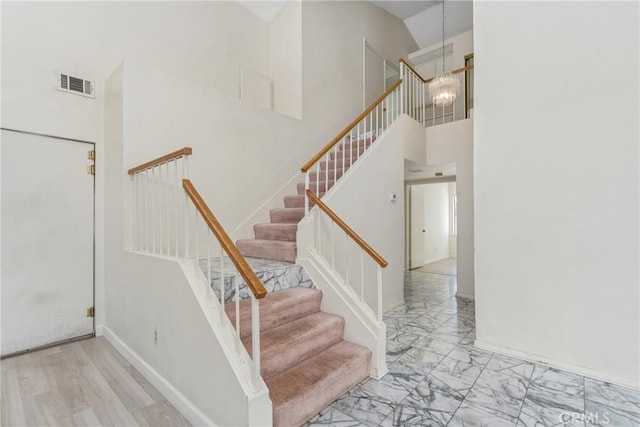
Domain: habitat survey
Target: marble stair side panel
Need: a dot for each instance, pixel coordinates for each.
(275, 276)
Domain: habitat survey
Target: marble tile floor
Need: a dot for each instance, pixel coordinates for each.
(437, 378)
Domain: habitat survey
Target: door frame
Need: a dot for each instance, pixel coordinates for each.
(92, 146)
(407, 211)
(385, 61)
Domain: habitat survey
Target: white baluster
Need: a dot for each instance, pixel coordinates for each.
(160, 209)
(306, 187)
(379, 293)
(255, 338)
(333, 247)
(222, 290)
(175, 200)
(237, 302)
(361, 275)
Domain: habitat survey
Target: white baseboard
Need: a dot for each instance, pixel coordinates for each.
(467, 296)
(556, 364)
(99, 330)
(173, 395)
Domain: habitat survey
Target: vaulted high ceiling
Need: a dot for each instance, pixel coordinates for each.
(424, 18)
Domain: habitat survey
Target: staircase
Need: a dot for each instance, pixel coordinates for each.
(305, 361)
(277, 240)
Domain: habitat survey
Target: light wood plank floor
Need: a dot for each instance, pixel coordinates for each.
(85, 383)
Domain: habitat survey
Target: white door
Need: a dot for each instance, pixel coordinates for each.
(418, 227)
(47, 241)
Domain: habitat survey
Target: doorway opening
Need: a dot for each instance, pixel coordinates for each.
(432, 227)
(379, 73)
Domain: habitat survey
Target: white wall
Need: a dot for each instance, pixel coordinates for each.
(454, 142)
(557, 184)
(332, 35)
(453, 240)
(370, 181)
(286, 59)
(146, 295)
(203, 42)
(241, 154)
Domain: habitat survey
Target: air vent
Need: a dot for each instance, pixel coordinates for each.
(77, 85)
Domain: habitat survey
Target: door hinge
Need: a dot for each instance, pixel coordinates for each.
(91, 155)
(91, 170)
(90, 312)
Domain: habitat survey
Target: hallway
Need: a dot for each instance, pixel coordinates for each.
(447, 266)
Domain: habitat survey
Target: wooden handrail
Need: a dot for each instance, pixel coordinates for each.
(186, 151)
(351, 125)
(354, 236)
(256, 286)
(459, 70)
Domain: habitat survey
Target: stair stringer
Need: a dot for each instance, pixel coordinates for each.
(361, 325)
(259, 405)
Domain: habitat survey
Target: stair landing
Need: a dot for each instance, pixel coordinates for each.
(275, 275)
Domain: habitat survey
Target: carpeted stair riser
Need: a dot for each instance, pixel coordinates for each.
(276, 309)
(276, 231)
(297, 200)
(323, 187)
(290, 215)
(301, 392)
(352, 145)
(285, 345)
(352, 154)
(337, 163)
(276, 250)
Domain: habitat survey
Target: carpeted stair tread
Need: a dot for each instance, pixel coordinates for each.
(276, 231)
(285, 345)
(313, 186)
(297, 200)
(286, 215)
(277, 250)
(277, 308)
(302, 391)
(355, 144)
(349, 155)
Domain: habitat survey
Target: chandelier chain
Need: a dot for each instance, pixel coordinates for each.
(443, 68)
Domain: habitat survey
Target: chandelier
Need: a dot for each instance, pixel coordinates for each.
(443, 89)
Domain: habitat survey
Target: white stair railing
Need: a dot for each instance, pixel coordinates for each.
(171, 220)
(416, 102)
(325, 168)
(343, 263)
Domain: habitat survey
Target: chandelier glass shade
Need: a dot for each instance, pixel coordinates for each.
(443, 89)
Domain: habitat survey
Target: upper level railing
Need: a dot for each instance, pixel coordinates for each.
(364, 247)
(176, 222)
(330, 163)
(416, 101)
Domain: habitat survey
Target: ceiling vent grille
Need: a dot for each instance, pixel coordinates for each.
(71, 84)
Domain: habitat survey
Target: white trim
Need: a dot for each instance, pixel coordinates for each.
(569, 367)
(99, 330)
(467, 296)
(173, 395)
